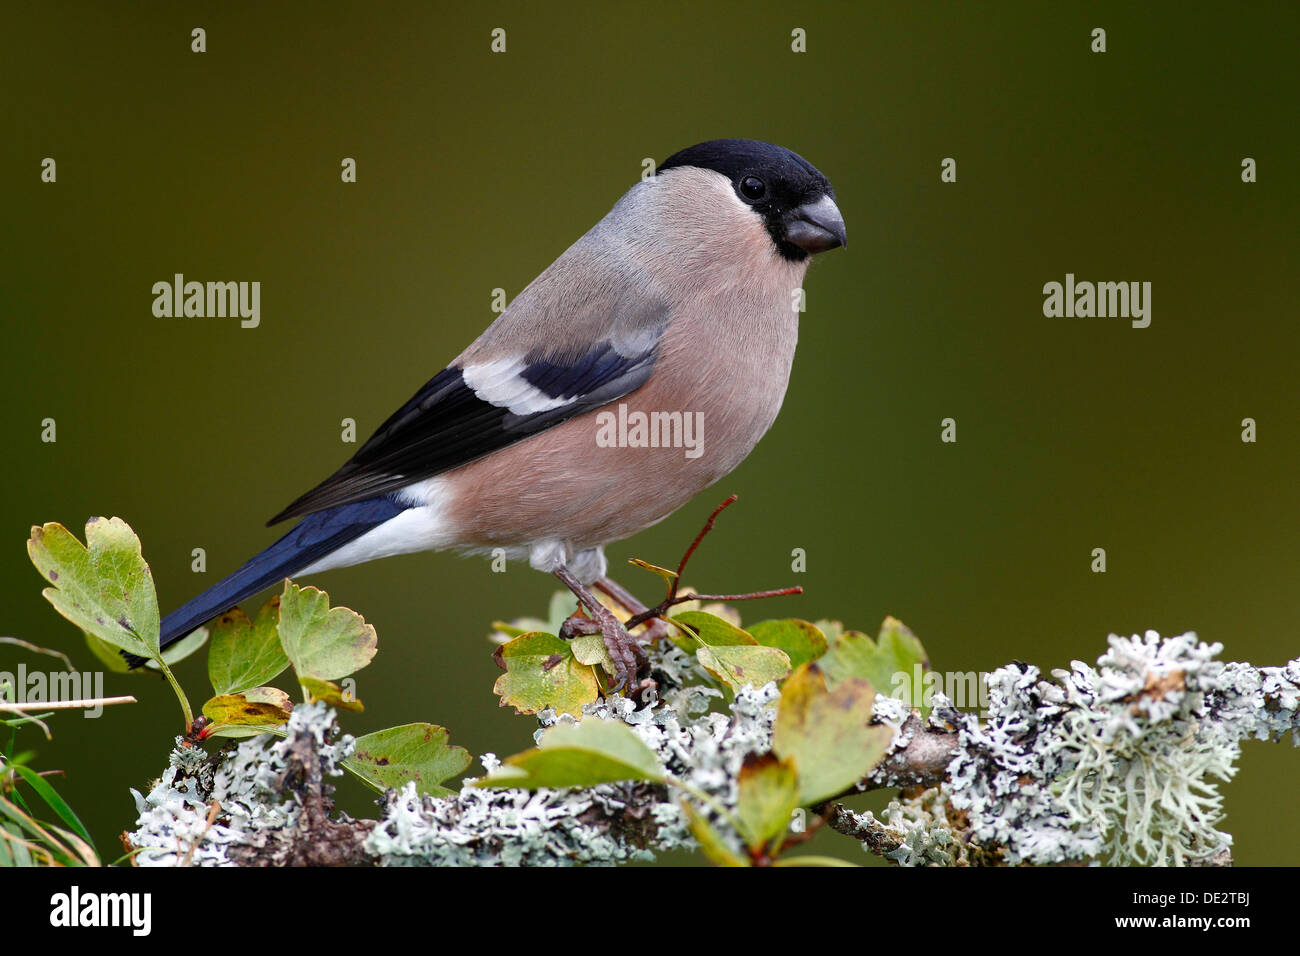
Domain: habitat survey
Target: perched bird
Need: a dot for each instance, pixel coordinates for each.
(680, 305)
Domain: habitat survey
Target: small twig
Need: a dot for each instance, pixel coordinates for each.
(673, 598)
(872, 834)
(809, 831)
(36, 649)
(212, 818)
(751, 596)
(83, 704)
(708, 526)
(654, 629)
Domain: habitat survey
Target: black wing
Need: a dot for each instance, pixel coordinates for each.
(446, 424)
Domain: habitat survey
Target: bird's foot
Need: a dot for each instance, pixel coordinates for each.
(630, 660)
(631, 663)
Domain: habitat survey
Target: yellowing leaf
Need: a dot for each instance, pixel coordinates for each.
(542, 672)
(412, 752)
(767, 796)
(258, 706)
(826, 733)
(738, 665)
(104, 587)
(711, 842)
(591, 649)
(668, 576)
(332, 694)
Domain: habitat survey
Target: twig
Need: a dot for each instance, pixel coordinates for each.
(870, 833)
(36, 649)
(212, 818)
(87, 703)
(660, 609)
(708, 526)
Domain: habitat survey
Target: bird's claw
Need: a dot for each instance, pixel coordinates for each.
(625, 652)
(629, 657)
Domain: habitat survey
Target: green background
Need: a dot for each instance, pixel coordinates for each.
(475, 170)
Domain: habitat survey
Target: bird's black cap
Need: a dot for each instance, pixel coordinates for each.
(786, 182)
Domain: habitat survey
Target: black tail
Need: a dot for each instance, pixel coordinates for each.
(312, 539)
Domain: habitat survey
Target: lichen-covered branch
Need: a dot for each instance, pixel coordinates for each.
(1119, 763)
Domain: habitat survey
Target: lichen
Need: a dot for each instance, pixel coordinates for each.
(173, 826)
(1120, 762)
(603, 825)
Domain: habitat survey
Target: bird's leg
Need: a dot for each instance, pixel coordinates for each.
(655, 629)
(628, 655)
(620, 594)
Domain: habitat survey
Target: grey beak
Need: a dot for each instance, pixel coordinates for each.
(816, 226)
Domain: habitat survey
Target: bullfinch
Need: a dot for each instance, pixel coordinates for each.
(638, 369)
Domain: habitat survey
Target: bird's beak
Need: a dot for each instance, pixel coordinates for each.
(816, 226)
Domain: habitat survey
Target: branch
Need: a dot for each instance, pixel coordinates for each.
(1115, 763)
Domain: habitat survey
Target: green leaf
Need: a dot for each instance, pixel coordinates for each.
(583, 755)
(767, 796)
(541, 672)
(801, 641)
(832, 629)
(110, 656)
(894, 663)
(183, 648)
(321, 641)
(54, 801)
(562, 604)
(738, 665)
(411, 752)
(257, 707)
(332, 694)
(246, 653)
(103, 587)
(826, 733)
(713, 630)
(590, 649)
(711, 842)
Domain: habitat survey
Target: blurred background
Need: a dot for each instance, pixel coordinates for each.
(475, 170)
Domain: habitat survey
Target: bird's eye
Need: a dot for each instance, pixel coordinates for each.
(752, 188)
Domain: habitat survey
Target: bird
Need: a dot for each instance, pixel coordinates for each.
(680, 305)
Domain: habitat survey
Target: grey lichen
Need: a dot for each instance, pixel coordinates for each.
(916, 831)
(1120, 762)
(602, 825)
(177, 823)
